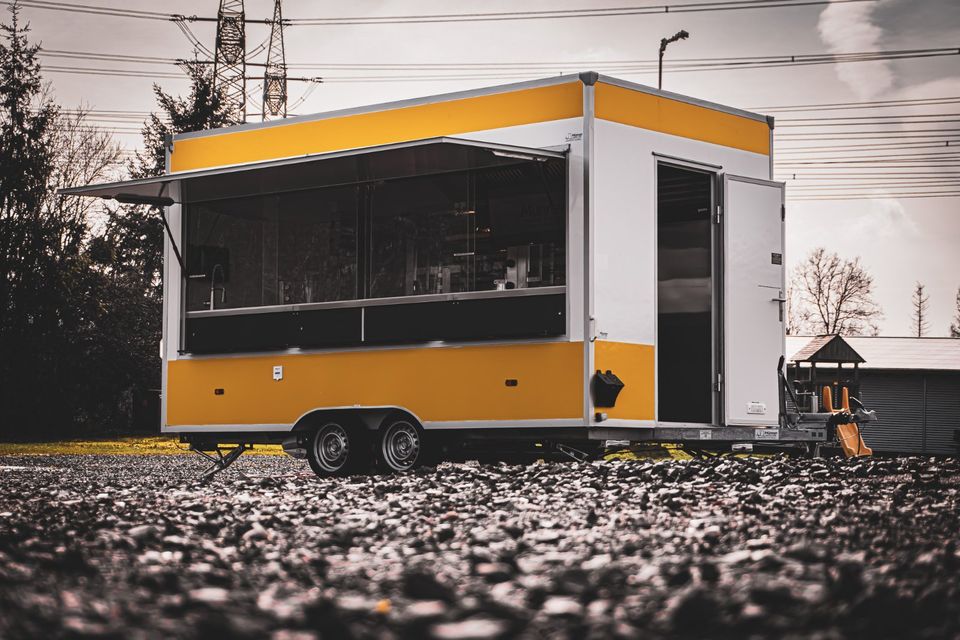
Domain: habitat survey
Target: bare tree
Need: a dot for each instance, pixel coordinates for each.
(831, 295)
(920, 303)
(955, 325)
(82, 154)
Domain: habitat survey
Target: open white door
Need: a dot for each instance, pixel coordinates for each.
(753, 299)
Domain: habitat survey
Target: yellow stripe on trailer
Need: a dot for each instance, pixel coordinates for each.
(435, 383)
(449, 117)
(634, 365)
(666, 115)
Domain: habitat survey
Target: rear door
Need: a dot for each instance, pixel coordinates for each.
(753, 299)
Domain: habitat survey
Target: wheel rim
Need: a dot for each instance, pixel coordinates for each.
(401, 446)
(331, 447)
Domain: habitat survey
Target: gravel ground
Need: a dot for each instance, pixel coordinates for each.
(133, 546)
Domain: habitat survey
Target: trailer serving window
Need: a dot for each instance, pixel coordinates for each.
(439, 239)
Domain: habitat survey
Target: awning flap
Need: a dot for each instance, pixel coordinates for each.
(406, 159)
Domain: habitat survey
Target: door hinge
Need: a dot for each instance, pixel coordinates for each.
(783, 212)
(716, 218)
(719, 382)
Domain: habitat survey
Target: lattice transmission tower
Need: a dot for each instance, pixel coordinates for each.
(230, 59)
(275, 74)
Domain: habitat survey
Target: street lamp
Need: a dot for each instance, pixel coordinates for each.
(679, 35)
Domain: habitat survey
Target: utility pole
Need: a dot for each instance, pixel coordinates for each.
(680, 35)
(230, 59)
(275, 74)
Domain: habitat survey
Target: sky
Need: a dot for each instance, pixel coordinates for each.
(900, 240)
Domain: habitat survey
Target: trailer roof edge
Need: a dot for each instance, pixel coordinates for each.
(588, 78)
(384, 106)
(679, 97)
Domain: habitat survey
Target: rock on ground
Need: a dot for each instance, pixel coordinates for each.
(128, 546)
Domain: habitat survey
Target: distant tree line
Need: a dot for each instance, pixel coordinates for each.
(827, 294)
(80, 280)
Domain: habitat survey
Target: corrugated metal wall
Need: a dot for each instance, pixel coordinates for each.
(943, 412)
(918, 411)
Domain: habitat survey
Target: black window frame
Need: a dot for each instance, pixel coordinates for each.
(492, 314)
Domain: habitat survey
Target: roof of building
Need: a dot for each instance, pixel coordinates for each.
(880, 352)
(829, 348)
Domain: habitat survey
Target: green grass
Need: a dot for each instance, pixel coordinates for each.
(152, 445)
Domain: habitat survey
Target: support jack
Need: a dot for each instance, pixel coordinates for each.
(220, 461)
(576, 454)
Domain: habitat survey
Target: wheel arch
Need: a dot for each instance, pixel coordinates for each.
(368, 418)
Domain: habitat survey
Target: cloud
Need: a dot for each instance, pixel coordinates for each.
(850, 27)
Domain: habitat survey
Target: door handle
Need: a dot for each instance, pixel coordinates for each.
(780, 300)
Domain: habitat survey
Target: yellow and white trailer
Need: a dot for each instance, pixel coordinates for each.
(572, 260)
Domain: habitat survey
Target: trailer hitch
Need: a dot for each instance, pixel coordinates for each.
(220, 461)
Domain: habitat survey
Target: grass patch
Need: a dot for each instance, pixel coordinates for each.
(152, 445)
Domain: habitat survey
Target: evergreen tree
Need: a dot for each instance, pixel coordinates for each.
(135, 234)
(130, 249)
(36, 251)
(955, 325)
(920, 303)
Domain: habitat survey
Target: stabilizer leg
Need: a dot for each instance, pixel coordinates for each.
(220, 461)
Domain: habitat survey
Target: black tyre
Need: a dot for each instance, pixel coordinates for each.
(335, 450)
(401, 445)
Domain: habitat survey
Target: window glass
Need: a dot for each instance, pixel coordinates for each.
(422, 236)
(483, 230)
(521, 226)
(498, 226)
(317, 257)
(224, 253)
(290, 248)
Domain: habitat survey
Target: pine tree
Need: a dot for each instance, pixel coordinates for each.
(39, 253)
(135, 234)
(920, 303)
(955, 325)
(204, 108)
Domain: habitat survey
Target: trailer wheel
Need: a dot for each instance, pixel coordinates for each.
(401, 445)
(333, 451)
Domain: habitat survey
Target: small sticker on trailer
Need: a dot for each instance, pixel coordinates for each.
(766, 434)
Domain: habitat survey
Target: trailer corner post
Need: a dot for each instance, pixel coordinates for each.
(589, 80)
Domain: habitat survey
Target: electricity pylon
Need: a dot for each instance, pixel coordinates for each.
(230, 59)
(275, 74)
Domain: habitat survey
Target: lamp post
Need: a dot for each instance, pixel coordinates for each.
(679, 35)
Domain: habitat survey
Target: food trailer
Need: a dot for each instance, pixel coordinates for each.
(566, 261)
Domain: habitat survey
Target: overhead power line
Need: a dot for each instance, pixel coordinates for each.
(499, 16)
(91, 9)
(131, 73)
(722, 5)
(640, 66)
(881, 146)
(874, 123)
(487, 69)
(877, 196)
(868, 104)
(878, 118)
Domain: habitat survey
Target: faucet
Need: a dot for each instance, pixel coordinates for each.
(214, 288)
